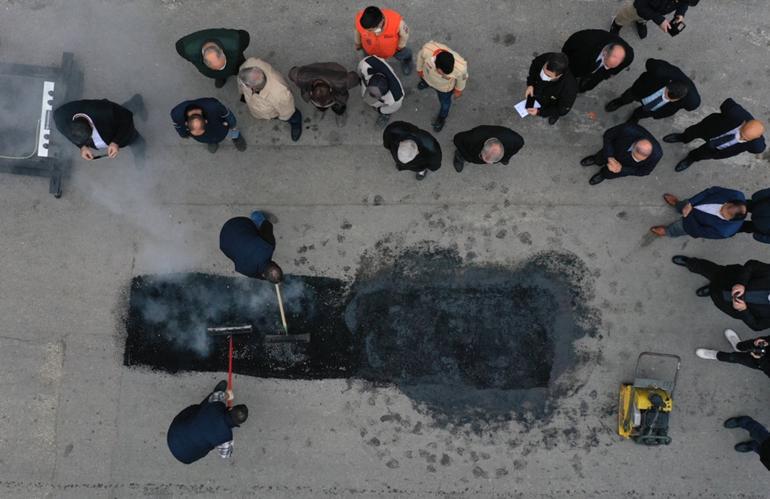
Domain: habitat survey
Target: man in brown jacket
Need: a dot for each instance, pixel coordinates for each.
(444, 70)
(325, 85)
(265, 92)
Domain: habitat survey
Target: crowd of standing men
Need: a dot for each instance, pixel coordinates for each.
(553, 82)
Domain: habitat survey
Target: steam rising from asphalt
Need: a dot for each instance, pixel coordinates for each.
(194, 308)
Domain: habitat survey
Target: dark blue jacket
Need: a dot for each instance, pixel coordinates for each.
(198, 429)
(730, 116)
(219, 119)
(617, 141)
(241, 241)
(701, 224)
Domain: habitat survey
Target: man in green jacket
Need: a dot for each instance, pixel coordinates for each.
(216, 53)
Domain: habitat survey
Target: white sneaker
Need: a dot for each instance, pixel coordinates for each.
(707, 354)
(733, 338)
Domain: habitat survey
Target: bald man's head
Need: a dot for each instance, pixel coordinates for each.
(213, 56)
(642, 149)
(751, 130)
(615, 56)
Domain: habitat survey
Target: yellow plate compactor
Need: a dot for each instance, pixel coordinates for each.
(646, 403)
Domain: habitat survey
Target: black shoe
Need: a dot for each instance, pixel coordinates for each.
(731, 423)
(641, 29)
(703, 291)
(220, 82)
(406, 67)
(438, 123)
(615, 28)
(221, 386)
(552, 120)
(597, 179)
(683, 165)
(421, 175)
(745, 446)
(422, 85)
(612, 105)
(212, 147)
(673, 138)
(588, 160)
(240, 143)
(296, 132)
(680, 260)
(243, 98)
(459, 162)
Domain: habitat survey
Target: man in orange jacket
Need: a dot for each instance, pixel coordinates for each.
(382, 32)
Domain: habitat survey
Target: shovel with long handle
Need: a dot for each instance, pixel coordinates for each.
(280, 307)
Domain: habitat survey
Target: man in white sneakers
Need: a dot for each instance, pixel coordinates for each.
(751, 353)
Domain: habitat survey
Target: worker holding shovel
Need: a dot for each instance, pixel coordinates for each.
(201, 428)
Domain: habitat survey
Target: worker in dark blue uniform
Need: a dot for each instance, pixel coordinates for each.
(201, 428)
(249, 243)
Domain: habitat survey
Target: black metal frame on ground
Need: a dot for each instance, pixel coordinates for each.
(51, 160)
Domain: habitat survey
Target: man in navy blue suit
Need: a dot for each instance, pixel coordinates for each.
(759, 225)
(661, 91)
(716, 213)
(629, 149)
(201, 428)
(208, 121)
(250, 243)
(727, 133)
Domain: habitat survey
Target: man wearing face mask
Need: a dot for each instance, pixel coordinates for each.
(325, 85)
(661, 91)
(740, 291)
(596, 55)
(715, 213)
(629, 149)
(380, 88)
(444, 70)
(552, 85)
(383, 33)
(727, 133)
(486, 145)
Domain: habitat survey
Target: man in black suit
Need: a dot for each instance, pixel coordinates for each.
(596, 55)
(412, 148)
(740, 291)
(759, 437)
(486, 145)
(727, 133)
(551, 83)
(102, 125)
(628, 149)
(759, 225)
(662, 90)
(641, 11)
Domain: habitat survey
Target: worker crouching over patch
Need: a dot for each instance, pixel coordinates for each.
(201, 428)
(250, 243)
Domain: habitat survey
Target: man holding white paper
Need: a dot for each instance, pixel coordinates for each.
(551, 88)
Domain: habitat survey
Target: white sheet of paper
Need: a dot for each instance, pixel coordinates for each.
(521, 108)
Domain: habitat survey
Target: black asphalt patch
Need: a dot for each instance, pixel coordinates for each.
(465, 342)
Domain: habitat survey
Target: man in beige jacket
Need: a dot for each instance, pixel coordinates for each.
(446, 72)
(265, 92)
